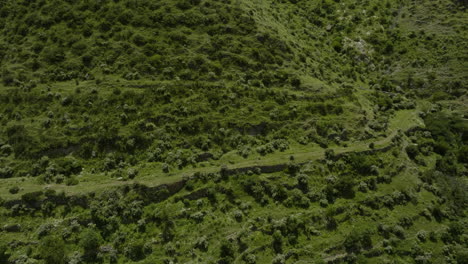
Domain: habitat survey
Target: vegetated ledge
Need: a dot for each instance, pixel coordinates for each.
(35, 200)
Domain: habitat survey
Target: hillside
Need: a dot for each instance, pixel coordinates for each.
(233, 131)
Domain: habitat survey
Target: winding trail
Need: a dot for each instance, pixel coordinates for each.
(152, 176)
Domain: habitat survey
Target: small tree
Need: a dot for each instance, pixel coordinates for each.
(90, 241)
(52, 250)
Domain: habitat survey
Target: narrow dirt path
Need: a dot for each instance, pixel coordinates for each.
(403, 120)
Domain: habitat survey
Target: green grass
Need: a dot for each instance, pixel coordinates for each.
(91, 92)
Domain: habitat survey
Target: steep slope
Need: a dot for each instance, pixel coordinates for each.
(233, 131)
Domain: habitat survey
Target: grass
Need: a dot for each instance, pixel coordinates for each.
(163, 83)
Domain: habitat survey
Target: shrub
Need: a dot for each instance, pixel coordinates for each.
(337, 44)
(323, 202)
(198, 217)
(31, 197)
(132, 173)
(362, 164)
(87, 60)
(384, 230)
(331, 223)
(6, 172)
(238, 215)
(277, 241)
(412, 151)
(226, 252)
(72, 181)
(165, 168)
(44, 230)
(69, 166)
(460, 254)
(52, 250)
(279, 259)
(362, 187)
(53, 55)
(202, 243)
(329, 154)
(14, 190)
(343, 187)
(90, 241)
(135, 250)
(250, 259)
(358, 240)
(6, 150)
(4, 256)
(399, 231)
(422, 235)
(139, 40)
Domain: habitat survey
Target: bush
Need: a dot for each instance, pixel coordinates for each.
(90, 241)
(198, 217)
(44, 230)
(412, 151)
(202, 243)
(4, 256)
(337, 44)
(53, 55)
(135, 250)
(362, 164)
(279, 259)
(6, 150)
(250, 259)
(139, 40)
(277, 241)
(31, 197)
(343, 187)
(87, 60)
(331, 223)
(14, 190)
(357, 241)
(329, 154)
(6, 172)
(399, 231)
(165, 168)
(52, 250)
(226, 252)
(72, 181)
(69, 166)
(422, 235)
(238, 215)
(132, 173)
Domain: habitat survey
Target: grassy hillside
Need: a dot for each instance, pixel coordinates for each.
(233, 131)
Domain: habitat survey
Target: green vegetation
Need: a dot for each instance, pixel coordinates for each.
(208, 131)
